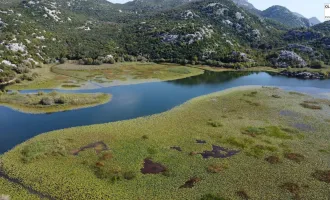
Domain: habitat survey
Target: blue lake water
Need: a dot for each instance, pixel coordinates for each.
(133, 101)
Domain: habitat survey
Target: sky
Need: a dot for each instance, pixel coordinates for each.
(308, 8)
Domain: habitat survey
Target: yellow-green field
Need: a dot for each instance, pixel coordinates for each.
(45, 80)
(276, 145)
(73, 76)
(51, 102)
(16, 191)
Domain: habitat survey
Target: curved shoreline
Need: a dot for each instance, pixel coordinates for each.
(124, 137)
(90, 85)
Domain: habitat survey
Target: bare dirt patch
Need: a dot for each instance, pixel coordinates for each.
(219, 152)
(151, 167)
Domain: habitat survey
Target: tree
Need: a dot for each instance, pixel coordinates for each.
(317, 64)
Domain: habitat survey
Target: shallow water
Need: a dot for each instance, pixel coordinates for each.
(133, 101)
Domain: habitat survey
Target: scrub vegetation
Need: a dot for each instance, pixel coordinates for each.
(71, 75)
(129, 72)
(189, 152)
(51, 102)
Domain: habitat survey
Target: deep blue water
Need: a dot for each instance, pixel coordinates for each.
(140, 100)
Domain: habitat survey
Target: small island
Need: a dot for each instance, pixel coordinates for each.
(51, 102)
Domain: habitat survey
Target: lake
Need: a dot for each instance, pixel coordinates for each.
(132, 101)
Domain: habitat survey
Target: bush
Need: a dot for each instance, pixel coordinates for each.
(38, 150)
(129, 175)
(47, 101)
(63, 60)
(59, 100)
(317, 64)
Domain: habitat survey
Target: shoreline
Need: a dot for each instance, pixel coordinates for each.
(119, 137)
(90, 85)
(54, 109)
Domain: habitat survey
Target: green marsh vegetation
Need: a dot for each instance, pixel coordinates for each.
(255, 152)
(127, 71)
(72, 75)
(51, 102)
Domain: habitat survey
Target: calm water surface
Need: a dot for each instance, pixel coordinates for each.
(140, 100)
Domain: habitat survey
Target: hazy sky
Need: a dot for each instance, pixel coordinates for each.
(308, 8)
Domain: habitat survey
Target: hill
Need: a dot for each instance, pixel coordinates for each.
(214, 32)
(285, 16)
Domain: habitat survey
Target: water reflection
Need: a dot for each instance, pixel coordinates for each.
(133, 101)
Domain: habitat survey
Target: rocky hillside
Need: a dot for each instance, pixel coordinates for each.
(215, 32)
(314, 21)
(247, 5)
(145, 6)
(285, 16)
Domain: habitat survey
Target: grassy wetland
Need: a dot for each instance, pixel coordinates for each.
(74, 76)
(51, 102)
(243, 143)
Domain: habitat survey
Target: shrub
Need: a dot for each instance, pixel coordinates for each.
(145, 137)
(129, 175)
(63, 60)
(214, 123)
(47, 101)
(112, 173)
(59, 100)
(317, 64)
(42, 149)
(53, 93)
(253, 131)
(34, 75)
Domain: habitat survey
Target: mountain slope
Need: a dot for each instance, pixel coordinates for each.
(202, 30)
(285, 16)
(215, 32)
(314, 21)
(248, 6)
(144, 6)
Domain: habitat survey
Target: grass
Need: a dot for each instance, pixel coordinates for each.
(73, 76)
(260, 170)
(126, 73)
(51, 102)
(45, 80)
(15, 191)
